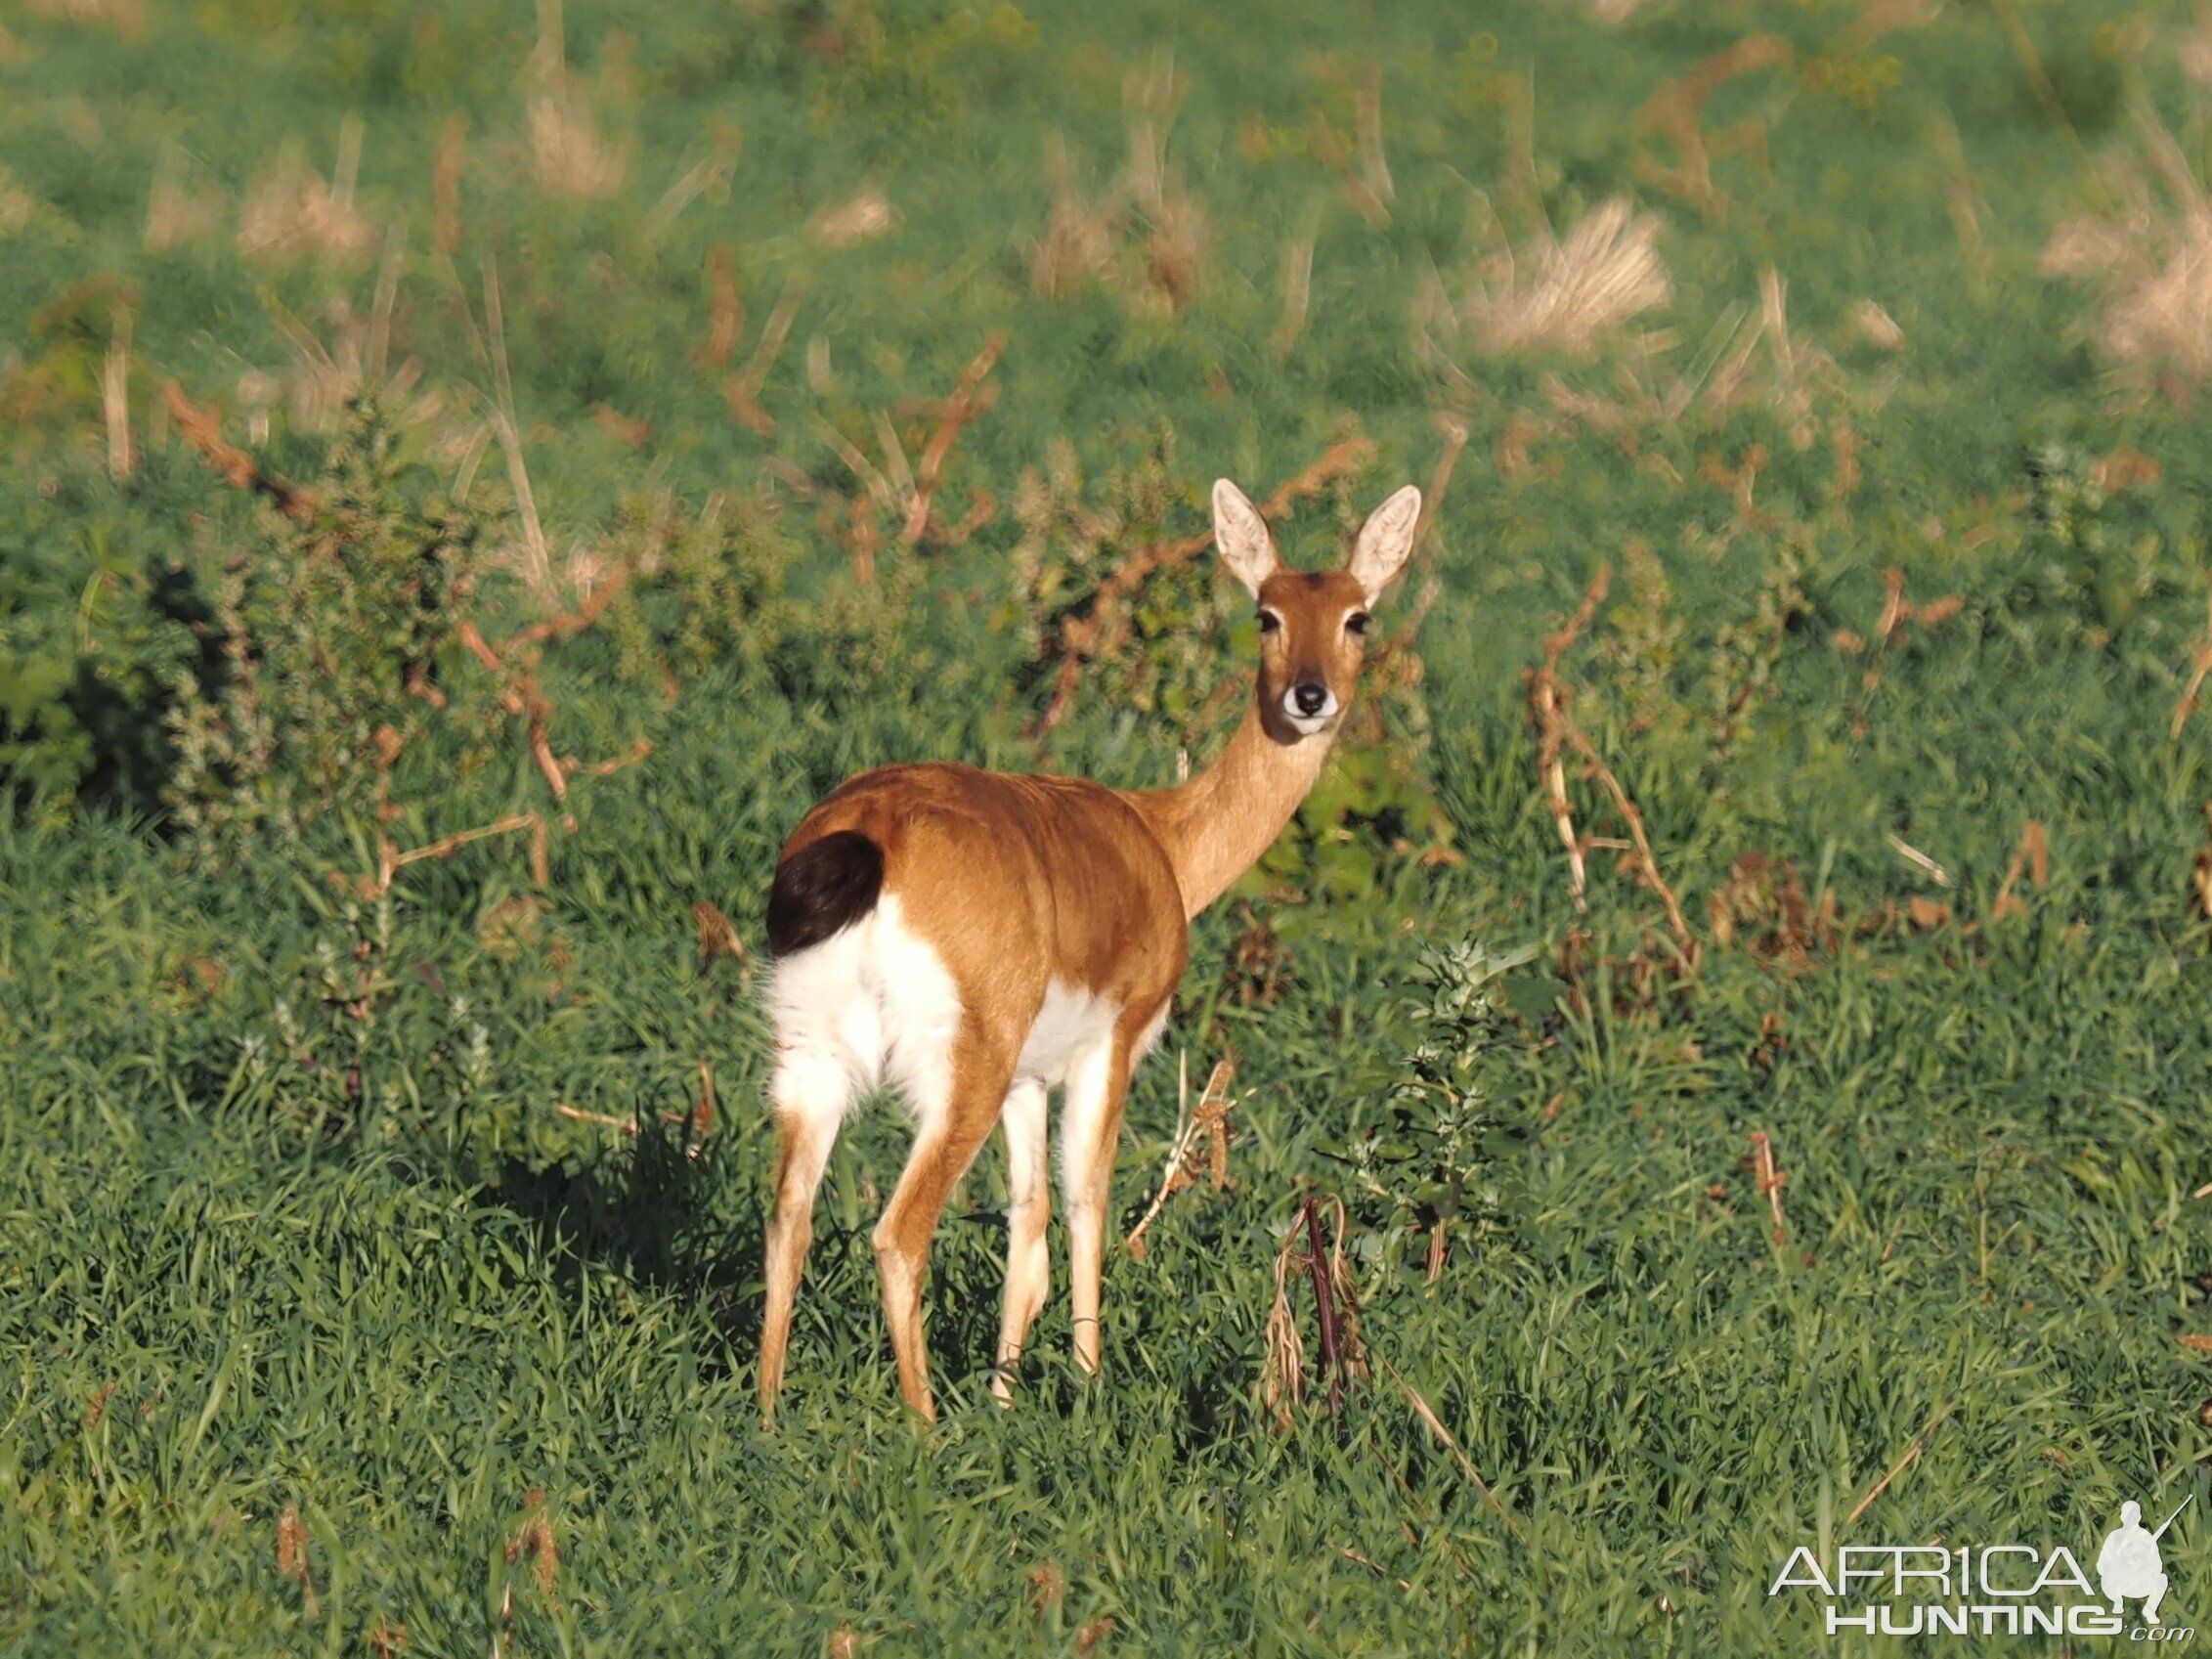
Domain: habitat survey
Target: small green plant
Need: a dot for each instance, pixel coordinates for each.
(2090, 572)
(351, 1043)
(332, 625)
(1429, 1159)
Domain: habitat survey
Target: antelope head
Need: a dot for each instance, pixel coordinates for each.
(1313, 623)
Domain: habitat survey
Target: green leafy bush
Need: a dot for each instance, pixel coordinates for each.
(92, 632)
(332, 629)
(1434, 1153)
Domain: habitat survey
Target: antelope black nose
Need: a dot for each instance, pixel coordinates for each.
(1310, 698)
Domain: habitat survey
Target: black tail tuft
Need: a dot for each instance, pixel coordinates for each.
(823, 889)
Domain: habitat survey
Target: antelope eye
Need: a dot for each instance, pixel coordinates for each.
(1356, 623)
(1270, 623)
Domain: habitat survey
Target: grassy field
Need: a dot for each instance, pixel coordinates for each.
(606, 431)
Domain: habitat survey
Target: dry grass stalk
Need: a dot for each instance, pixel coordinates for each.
(1283, 1372)
(175, 214)
(725, 311)
(1844, 439)
(1048, 1584)
(537, 563)
(2200, 667)
(1337, 1307)
(2031, 61)
(1898, 1468)
(292, 1554)
(865, 217)
(1368, 1562)
(1576, 294)
(1547, 701)
(1915, 857)
(1175, 245)
(520, 696)
(1877, 327)
(717, 937)
(202, 429)
(982, 508)
(697, 1123)
(863, 537)
(1794, 372)
(1182, 1166)
(1297, 296)
(695, 181)
(1639, 858)
(703, 1113)
(1674, 110)
(127, 17)
(572, 156)
(1878, 18)
(2194, 52)
(569, 623)
(1329, 149)
(1083, 239)
(17, 206)
(444, 184)
(115, 397)
(1963, 199)
(628, 1125)
(743, 389)
(1335, 1303)
(1435, 1424)
(1176, 233)
(534, 1537)
(2150, 258)
(2201, 875)
(1771, 1180)
(972, 395)
(2032, 858)
(1897, 615)
(390, 861)
(871, 477)
(1079, 238)
(1421, 565)
(291, 212)
(1374, 170)
(1731, 367)
(325, 379)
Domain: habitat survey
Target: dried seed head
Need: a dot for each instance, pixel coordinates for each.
(1575, 294)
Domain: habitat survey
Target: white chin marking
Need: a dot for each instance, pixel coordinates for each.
(1308, 725)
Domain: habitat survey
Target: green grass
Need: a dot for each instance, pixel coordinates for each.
(438, 1320)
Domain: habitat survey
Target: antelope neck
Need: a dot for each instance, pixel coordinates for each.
(1215, 827)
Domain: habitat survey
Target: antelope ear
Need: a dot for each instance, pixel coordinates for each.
(1242, 535)
(1385, 540)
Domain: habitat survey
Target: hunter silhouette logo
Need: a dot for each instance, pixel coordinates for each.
(1994, 1588)
(2129, 1564)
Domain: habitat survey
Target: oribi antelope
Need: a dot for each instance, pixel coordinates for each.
(976, 939)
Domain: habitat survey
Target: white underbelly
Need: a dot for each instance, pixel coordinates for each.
(1074, 1023)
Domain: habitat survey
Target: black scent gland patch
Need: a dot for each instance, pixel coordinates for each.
(823, 889)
